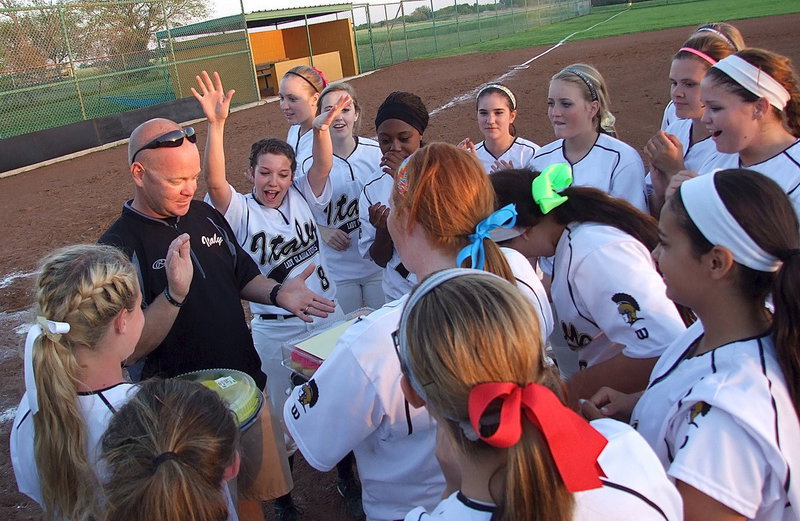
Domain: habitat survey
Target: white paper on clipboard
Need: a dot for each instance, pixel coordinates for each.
(322, 345)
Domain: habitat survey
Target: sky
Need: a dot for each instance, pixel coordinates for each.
(228, 7)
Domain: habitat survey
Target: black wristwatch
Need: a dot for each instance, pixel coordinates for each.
(273, 295)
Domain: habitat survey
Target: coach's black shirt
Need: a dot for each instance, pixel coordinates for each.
(210, 330)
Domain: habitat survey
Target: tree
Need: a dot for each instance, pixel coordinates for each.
(123, 31)
(129, 29)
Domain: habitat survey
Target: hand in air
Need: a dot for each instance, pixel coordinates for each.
(215, 101)
(324, 120)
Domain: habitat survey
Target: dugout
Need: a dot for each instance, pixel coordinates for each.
(279, 39)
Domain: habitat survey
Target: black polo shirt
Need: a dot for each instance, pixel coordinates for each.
(210, 330)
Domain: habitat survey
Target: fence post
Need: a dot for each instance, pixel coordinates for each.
(355, 37)
(250, 52)
(371, 41)
(177, 81)
(513, 19)
(71, 63)
(308, 37)
(433, 18)
(458, 27)
(405, 33)
(388, 32)
(496, 19)
(527, 23)
(478, 10)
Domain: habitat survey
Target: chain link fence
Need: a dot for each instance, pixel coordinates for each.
(400, 31)
(62, 63)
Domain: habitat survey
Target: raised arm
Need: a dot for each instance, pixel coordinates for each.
(216, 106)
(323, 147)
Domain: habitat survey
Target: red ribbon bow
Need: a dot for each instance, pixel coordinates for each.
(322, 77)
(574, 444)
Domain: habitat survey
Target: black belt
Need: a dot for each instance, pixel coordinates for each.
(273, 316)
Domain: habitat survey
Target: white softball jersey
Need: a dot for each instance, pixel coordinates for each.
(634, 487)
(783, 168)
(354, 403)
(724, 423)
(610, 165)
(520, 154)
(97, 407)
(608, 296)
(283, 241)
(670, 116)
(303, 145)
(348, 177)
(397, 281)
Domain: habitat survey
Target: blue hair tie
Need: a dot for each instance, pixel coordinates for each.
(505, 217)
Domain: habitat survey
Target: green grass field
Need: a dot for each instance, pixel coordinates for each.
(387, 45)
(642, 16)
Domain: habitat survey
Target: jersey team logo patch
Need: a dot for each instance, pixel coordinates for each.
(309, 394)
(159, 264)
(627, 307)
(698, 409)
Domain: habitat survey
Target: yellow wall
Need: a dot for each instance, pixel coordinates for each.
(267, 46)
(325, 37)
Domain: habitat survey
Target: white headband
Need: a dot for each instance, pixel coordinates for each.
(754, 80)
(53, 330)
(502, 88)
(715, 222)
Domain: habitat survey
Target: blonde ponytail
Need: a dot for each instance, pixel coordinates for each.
(85, 286)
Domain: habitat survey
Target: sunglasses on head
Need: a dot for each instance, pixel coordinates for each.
(171, 139)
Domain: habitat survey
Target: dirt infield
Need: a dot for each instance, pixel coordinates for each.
(76, 200)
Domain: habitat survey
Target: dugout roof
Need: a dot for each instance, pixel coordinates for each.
(256, 19)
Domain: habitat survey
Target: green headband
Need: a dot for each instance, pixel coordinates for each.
(546, 186)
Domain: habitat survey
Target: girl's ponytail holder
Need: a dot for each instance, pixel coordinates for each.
(505, 217)
(52, 330)
(547, 185)
(573, 443)
(322, 77)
